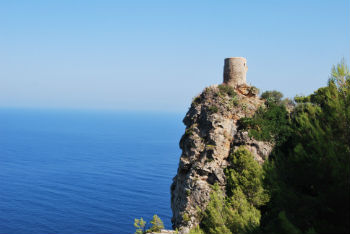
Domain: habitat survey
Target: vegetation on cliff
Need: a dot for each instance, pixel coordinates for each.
(211, 135)
(306, 176)
(237, 212)
(156, 225)
(270, 122)
(309, 171)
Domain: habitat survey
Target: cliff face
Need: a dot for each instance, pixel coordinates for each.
(212, 133)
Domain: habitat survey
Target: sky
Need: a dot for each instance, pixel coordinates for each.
(157, 55)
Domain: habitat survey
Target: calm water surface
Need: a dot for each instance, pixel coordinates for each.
(85, 172)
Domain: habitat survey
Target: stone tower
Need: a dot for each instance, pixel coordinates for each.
(235, 70)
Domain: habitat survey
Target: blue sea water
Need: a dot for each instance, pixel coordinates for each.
(65, 172)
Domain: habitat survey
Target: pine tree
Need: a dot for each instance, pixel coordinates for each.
(309, 176)
(139, 224)
(157, 224)
(238, 212)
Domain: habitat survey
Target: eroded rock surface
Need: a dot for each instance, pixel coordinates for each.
(212, 132)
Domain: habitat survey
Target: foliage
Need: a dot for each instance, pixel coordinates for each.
(309, 170)
(254, 90)
(196, 100)
(157, 224)
(196, 230)
(139, 224)
(226, 90)
(238, 212)
(340, 73)
(301, 99)
(246, 173)
(281, 224)
(233, 102)
(215, 218)
(287, 102)
(307, 176)
(185, 218)
(268, 124)
(273, 96)
(213, 109)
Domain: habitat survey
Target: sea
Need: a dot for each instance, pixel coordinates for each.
(79, 171)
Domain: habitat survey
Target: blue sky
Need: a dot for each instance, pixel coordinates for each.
(157, 55)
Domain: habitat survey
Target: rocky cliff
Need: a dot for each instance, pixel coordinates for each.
(212, 133)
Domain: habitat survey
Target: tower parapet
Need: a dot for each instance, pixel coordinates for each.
(235, 70)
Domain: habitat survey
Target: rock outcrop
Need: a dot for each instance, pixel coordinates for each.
(212, 133)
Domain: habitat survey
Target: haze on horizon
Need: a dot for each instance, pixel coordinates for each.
(157, 55)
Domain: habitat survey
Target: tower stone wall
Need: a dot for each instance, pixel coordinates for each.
(235, 70)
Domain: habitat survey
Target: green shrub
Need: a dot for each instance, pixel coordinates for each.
(226, 90)
(196, 100)
(254, 90)
(213, 109)
(196, 230)
(185, 218)
(273, 96)
(234, 101)
(268, 124)
(238, 212)
(308, 174)
(157, 224)
(246, 173)
(215, 217)
(139, 224)
(301, 99)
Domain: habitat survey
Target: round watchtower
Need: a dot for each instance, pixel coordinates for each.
(235, 70)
